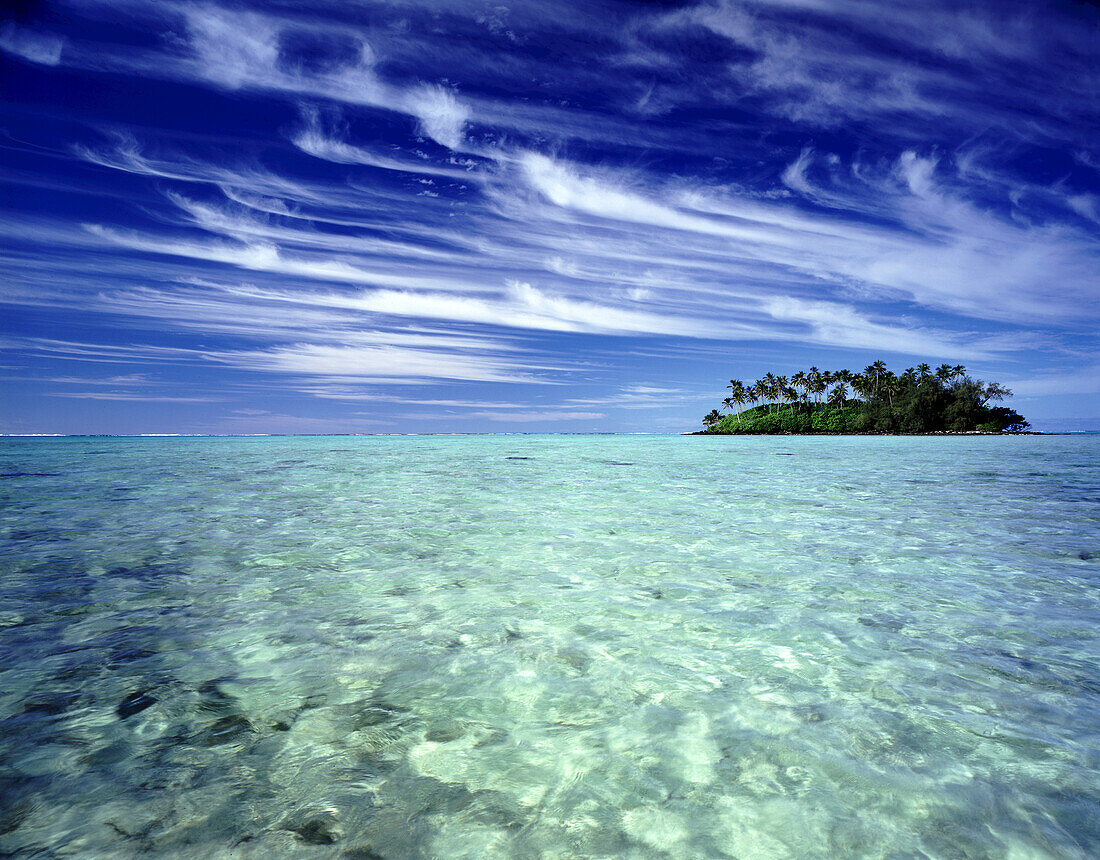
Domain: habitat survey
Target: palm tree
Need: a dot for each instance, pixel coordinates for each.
(813, 380)
(738, 395)
(790, 394)
(799, 381)
(712, 418)
(755, 393)
(779, 392)
(771, 389)
(762, 387)
(923, 371)
(862, 384)
(728, 403)
(818, 384)
(944, 373)
(876, 371)
(840, 394)
(890, 386)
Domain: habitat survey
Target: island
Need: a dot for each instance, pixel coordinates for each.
(875, 401)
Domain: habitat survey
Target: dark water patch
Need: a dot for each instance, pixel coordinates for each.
(140, 837)
(50, 704)
(13, 814)
(375, 715)
(30, 474)
(148, 571)
(1025, 671)
(445, 732)
(127, 654)
(235, 728)
(214, 700)
(37, 536)
(361, 853)
(134, 703)
(106, 756)
(319, 829)
(280, 639)
(398, 591)
(811, 714)
(1086, 556)
(19, 793)
(882, 622)
(517, 458)
(783, 454)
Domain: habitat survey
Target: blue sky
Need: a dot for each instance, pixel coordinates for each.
(407, 216)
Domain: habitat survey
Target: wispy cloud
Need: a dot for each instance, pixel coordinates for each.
(536, 416)
(423, 203)
(34, 45)
(124, 396)
(378, 363)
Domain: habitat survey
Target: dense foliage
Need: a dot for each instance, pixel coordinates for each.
(919, 400)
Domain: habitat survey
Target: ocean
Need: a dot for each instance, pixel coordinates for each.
(550, 647)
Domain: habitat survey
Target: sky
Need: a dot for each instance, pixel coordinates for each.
(403, 217)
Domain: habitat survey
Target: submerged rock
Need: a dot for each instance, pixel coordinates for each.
(50, 704)
(135, 703)
(361, 854)
(224, 731)
(317, 829)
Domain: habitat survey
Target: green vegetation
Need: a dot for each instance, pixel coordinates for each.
(920, 400)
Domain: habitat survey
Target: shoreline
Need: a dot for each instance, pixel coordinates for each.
(933, 433)
(431, 435)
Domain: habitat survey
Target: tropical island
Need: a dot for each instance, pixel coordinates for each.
(920, 400)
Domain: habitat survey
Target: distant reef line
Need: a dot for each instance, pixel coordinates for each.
(919, 401)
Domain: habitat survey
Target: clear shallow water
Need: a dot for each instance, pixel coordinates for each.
(550, 647)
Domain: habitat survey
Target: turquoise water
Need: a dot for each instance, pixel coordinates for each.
(550, 647)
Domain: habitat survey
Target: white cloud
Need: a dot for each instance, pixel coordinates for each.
(132, 397)
(1085, 205)
(1082, 380)
(126, 155)
(565, 187)
(836, 324)
(442, 116)
(235, 49)
(241, 49)
(795, 175)
(378, 363)
(264, 257)
(539, 416)
(34, 45)
(312, 140)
